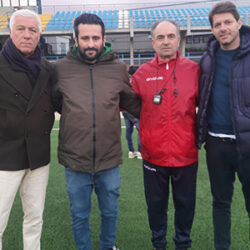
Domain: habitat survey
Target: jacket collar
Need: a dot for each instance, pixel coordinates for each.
(107, 54)
(159, 62)
(21, 83)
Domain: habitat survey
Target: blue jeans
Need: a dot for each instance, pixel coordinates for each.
(79, 187)
(130, 122)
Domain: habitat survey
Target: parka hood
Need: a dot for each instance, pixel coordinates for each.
(107, 54)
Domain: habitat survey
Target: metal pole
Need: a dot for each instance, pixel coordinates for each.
(39, 5)
(188, 25)
(183, 44)
(246, 19)
(131, 26)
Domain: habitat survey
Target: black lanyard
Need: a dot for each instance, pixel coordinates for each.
(174, 78)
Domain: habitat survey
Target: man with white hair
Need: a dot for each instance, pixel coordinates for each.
(26, 120)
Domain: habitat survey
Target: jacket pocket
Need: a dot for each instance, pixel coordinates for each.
(15, 123)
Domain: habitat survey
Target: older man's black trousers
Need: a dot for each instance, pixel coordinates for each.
(156, 184)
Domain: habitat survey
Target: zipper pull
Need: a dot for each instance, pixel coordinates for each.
(167, 67)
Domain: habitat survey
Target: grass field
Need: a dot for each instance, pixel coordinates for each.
(133, 230)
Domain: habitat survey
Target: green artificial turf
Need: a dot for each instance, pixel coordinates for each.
(133, 230)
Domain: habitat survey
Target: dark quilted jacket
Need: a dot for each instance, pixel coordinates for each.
(239, 91)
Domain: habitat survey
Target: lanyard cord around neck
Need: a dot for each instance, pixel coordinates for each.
(174, 78)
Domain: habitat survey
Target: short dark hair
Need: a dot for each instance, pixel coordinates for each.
(154, 26)
(88, 18)
(223, 7)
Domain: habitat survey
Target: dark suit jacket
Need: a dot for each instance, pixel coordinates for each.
(26, 118)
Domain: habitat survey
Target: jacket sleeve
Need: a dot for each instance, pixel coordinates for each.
(197, 88)
(56, 94)
(128, 99)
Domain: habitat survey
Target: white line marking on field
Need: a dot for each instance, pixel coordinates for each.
(55, 129)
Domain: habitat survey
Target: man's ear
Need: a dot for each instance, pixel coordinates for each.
(239, 23)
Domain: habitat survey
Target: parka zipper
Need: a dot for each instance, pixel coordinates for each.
(93, 115)
(232, 104)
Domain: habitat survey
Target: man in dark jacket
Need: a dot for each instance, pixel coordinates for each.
(92, 84)
(224, 114)
(26, 119)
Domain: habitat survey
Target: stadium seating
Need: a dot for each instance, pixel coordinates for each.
(4, 21)
(142, 18)
(45, 18)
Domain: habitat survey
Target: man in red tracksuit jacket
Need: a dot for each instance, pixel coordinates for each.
(168, 88)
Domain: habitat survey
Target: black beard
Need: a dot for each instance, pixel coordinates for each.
(93, 58)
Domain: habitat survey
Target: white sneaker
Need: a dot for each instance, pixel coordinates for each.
(138, 155)
(114, 248)
(131, 155)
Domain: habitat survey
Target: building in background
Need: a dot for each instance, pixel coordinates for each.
(128, 23)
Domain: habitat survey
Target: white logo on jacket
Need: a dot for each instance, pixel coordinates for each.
(155, 78)
(149, 168)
